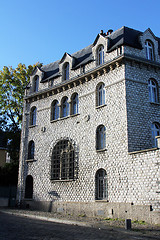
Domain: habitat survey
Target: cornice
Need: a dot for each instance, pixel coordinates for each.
(92, 74)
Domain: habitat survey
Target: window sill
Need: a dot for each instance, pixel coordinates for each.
(62, 118)
(102, 200)
(101, 150)
(74, 115)
(63, 180)
(32, 126)
(100, 106)
(155, 103)
(30, 160)
(55, 120)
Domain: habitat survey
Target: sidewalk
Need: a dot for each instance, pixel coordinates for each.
(94, 222)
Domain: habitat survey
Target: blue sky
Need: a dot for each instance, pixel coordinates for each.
(42, 31)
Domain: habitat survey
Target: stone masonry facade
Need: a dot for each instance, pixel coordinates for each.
(95, 155)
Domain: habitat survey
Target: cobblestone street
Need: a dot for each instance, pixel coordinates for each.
(19, 228)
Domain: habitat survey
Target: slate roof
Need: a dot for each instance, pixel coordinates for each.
(81, 57)
(123, 36)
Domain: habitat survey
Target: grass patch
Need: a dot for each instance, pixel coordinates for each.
(139, 222)
(82, 215)
(113, 219)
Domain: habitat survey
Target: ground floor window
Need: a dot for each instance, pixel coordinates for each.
(29, 187)
(64, 161)
(101, 185)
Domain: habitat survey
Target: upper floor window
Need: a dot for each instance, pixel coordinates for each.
(35, 84)
(33, 116)
(101, 137)
(63, 161)
(66, 71)
(100, 55)
(155, 132)
(54, 110)
(31, 150)
(100, 95)
(74, 104)
(153, 91)
(101, 185)
(149, 50)
(64, 107)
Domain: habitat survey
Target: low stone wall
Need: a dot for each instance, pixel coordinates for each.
(99, 209)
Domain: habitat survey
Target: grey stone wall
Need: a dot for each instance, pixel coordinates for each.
(132, 177)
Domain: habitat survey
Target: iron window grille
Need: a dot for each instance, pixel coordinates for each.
(64, 161)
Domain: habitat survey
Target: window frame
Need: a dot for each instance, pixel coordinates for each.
(31, 150)
(100, 55)
(153, 91)
(33, 116)
(66, 71)
(64, 105)
(55, 110)
(155, 129)
(149, 50)
(36, 83)
(100, 138)
(101, 186)
(74, 104)
(100, 94)
(28, 187)
(63, 164)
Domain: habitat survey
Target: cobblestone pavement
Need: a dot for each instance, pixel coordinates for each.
(20, 227)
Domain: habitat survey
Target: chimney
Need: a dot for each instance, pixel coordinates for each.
(101, 32)
(109, 31)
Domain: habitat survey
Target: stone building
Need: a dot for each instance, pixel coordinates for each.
(90, 130)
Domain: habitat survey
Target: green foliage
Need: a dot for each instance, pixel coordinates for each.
(12, 86)
(9, 174)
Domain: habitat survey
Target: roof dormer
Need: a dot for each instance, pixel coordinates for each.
(65, 65)
(99, 48)
(151, 45)
(35, 79)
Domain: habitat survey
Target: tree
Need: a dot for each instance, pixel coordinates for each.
(12, 85)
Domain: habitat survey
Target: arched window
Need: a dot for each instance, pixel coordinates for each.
(74, 104)
(64, 107)
(33, 116)
(100, 94)
(149, 50)
(35, 84)
(101, 137)
(29, 187)
(66, 71)
(31, 150)
(54, 110)
(155, 132)
(63, 161)
(101, 192)
(153, 91)
(100, 55)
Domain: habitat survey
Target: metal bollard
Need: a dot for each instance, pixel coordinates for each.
(127, 224)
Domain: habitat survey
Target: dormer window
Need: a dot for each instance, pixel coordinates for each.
(66, 71)
(149, 50)
(36, 84)
(100, 55)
